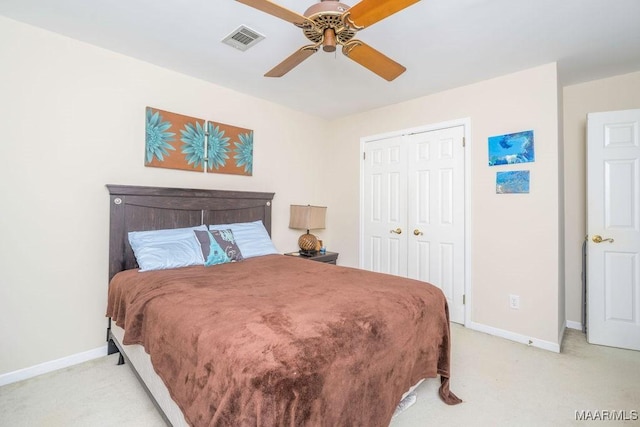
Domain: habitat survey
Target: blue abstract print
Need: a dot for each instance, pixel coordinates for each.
(512, 148)
(512, 182)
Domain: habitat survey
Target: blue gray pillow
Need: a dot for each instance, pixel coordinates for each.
(251, 237)
(162, 249)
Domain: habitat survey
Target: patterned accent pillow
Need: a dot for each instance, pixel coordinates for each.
(218, 246)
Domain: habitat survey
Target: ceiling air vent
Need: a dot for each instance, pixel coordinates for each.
(242, 38)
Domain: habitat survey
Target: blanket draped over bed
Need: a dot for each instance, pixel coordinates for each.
(281, 341)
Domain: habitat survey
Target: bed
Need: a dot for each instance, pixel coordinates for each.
(270, 340)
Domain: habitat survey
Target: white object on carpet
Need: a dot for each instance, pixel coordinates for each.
(405, 403)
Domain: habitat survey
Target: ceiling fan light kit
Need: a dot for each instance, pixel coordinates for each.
(330, 23)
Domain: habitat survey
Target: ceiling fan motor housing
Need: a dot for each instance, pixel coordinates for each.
(329, 24)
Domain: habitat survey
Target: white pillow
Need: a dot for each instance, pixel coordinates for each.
(251, 237)
(162, 249)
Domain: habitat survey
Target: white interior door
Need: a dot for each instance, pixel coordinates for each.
(413, 210)
(436, 213)
(613, 226)
(385, 207)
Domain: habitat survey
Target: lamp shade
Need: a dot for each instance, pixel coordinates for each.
(307, 217)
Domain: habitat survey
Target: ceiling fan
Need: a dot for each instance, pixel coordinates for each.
(330, 23)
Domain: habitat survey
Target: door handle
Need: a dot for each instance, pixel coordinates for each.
(417, 232)
(598, 239)
(396, 231)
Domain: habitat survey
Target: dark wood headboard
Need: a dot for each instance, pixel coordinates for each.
(136, 208)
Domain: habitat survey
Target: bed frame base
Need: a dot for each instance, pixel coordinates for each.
(112, 346)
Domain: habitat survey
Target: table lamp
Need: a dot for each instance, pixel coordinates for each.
(307, 217)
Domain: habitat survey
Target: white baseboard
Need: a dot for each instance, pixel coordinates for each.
(53, 365)
(563, 329)
(523, 339)
(574, 325)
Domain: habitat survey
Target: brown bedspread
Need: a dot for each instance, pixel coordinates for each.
(280, 341)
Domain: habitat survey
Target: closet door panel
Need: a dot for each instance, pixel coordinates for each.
(385, 207)
(435, 209)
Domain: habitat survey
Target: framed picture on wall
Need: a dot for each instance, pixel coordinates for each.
(512, 182)
(511, 148)
(176, 141)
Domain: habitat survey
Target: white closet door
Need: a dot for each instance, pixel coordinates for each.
(385, 207)
(435, 214)
(413, 210)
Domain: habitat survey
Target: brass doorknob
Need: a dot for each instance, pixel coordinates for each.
(417, 232)
(396, 231)
(598, 239)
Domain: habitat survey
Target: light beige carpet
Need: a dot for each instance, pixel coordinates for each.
(501, 382)
(504, 383)
(97, 393)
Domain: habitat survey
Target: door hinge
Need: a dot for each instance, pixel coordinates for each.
(464, 141)
(464, 299)
(364, 155)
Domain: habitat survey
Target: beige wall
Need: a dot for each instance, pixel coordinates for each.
(614, 93)
(73, 120)
(514, 238)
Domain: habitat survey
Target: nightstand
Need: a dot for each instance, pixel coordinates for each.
(329, 257)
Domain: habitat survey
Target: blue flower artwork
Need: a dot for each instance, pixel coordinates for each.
(230, 149)
(512, 182)
(218, 147)
(244, 152)
(163, 150)
(204, 146)
(158, 140)
(193, 138)
(511, 148)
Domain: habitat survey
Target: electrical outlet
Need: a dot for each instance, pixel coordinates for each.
(514, 301)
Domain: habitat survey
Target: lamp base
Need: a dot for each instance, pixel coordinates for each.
(308, 243)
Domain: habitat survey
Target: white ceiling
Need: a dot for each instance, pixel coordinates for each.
(443, 44)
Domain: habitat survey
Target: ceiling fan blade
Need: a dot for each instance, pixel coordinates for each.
(375, 61)
(277, 11)
(292, 61)
(368, 12)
